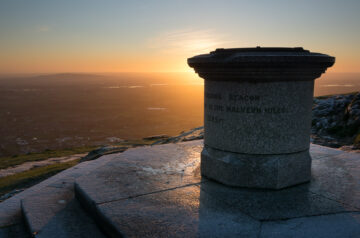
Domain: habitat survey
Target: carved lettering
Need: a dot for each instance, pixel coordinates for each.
(238, 109)
(244, 109)
(275, 110)
(214, 119)
(214, 107)
(245, 98)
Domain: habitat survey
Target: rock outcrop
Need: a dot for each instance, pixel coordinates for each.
(336, 121)
(105, 150)
(193, 134)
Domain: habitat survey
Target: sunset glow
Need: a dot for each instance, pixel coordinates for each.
(158, 36)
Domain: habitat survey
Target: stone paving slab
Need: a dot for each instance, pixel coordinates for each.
(17, 230)
(53, 212)
(181, 212)
(337, 178)
(162, 185)
(158, 191)
(10, 209)
(319, 151)
(267, 205)
(38, 209)
(143, 170)
(57, 214)
(344, 225)
(71, 222)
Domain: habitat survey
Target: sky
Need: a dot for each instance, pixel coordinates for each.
(46, 36)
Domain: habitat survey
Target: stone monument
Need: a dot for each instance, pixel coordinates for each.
(257, 121)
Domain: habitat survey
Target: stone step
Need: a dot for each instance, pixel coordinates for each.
(11, 215)
(18, 230)
(53, 212)
(157, 191)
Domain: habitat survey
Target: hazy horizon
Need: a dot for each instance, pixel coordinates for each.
(2, 75)
(43, 36)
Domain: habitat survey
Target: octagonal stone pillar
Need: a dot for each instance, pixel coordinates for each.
(257, 120)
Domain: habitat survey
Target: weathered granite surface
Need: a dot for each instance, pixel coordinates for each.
(257, 101)
(53, 212)
(17, 230)
(146, 170)
(256, 171)
(261, 118)
(157, 191)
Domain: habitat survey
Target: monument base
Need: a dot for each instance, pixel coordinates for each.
(256, 171)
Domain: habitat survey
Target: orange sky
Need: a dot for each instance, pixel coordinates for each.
(158, 36)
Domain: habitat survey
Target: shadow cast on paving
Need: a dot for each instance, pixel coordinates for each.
(157, 191)
(154, 191)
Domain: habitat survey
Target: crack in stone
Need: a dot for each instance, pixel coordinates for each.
(327, 156)
(332, 199)
(10, 225)
(150, 193)
(325, 214)
(260, 228)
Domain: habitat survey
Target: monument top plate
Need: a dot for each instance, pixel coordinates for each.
(261, 54)
(261, 64)
(259, 49)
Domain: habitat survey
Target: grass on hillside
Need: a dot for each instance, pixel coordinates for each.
(10, 161)
(30, 177)
(33, 176)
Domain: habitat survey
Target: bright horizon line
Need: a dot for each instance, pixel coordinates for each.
(97, 72)
(121, 72)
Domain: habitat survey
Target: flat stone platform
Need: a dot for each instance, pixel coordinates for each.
(157, 191)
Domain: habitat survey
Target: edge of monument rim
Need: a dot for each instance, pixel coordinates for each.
(261, 72)
(260, 76)
(261, 54)
(261, 59)
(255, 64)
